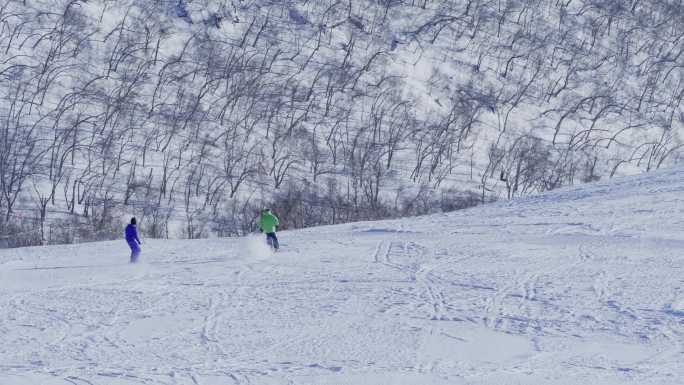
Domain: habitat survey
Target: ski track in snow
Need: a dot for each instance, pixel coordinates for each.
(580, 285)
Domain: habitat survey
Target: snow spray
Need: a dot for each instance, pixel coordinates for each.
(257, 247)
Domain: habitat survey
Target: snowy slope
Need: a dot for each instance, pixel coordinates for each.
(188, 113)
(579, 286)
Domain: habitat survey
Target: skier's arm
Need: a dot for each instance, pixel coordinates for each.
(136, 237)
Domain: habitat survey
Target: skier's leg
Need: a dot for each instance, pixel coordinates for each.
(135, 251)
(272, 240)
(276, 244)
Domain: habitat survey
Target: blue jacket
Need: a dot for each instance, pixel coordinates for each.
(132, 234)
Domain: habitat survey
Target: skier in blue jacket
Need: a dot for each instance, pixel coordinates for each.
(133, 240)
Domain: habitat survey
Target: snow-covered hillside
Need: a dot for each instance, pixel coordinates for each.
(578, 286)
(192, 115)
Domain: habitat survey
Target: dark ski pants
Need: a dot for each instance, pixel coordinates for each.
(272, 240)
(135, 250)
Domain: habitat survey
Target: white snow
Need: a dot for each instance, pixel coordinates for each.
(578, 286)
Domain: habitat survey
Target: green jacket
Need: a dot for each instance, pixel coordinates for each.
(268, 223)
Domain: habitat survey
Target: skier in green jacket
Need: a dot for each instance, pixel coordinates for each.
(268, 224)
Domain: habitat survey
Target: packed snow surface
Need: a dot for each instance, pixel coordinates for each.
(578, 286)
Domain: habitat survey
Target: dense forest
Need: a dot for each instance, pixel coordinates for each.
(192, 115)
